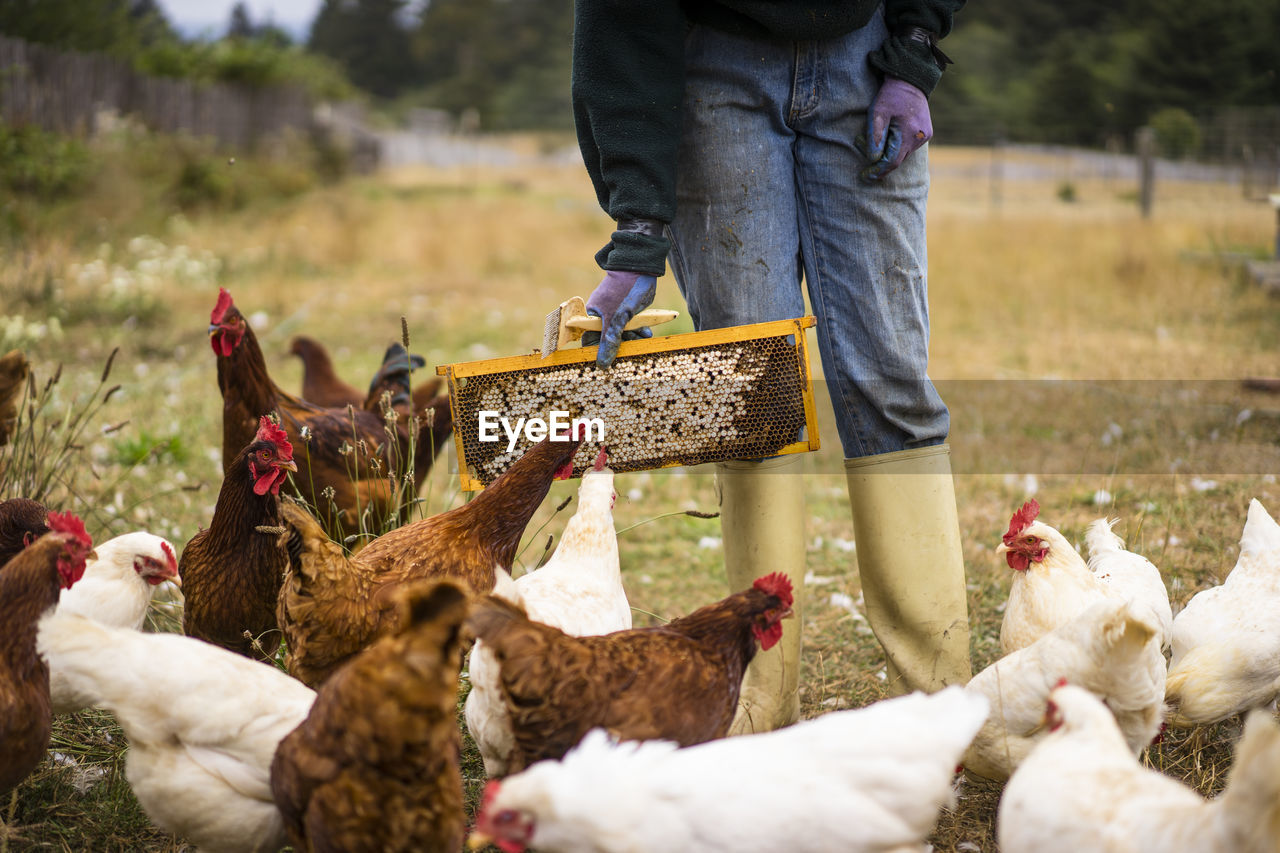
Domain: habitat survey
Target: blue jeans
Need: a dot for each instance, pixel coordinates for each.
(768, 193)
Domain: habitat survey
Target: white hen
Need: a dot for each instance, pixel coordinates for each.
(1109, 649)
(1051, 584)
(1226, 641)
(871, 779)
(203, 724)
(579, 591)
(115, 591)
(1132, 575)
(1082, 789)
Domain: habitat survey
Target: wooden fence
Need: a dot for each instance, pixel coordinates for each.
(69, 92)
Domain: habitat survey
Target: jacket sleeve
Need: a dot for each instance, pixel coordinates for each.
(908, 59)
(628, 83)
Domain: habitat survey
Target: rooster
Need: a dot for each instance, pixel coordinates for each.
(232, 571)
(115, 590)
(322, 386)
(203, 725)
(22, 521)
(375, 766)
(1083, 789)
(579, 591)
(1130, 575)
(1109, 649)
(347, 450)
(331, 606)
(1226, 641)
(871, 779)
(29, 585)
(1051, 582)
(678, 681)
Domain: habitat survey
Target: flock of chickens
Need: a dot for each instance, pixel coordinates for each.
(597, 736)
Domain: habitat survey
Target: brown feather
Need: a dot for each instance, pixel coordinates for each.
(358, 478)
(320, 384)
(375, 766)
(331, 606)
(679, 681)
(231, 572)
(21, 521)
(29, 585)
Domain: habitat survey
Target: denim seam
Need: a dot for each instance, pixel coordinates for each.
(817, 297)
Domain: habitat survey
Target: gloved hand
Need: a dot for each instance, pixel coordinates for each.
(897, 124)
(616, 299)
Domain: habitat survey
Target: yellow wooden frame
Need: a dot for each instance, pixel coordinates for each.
(668, 343)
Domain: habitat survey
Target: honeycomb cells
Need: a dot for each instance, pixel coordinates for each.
(737, 400)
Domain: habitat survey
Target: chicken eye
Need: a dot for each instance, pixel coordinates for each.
(264, 455)
(505, 817)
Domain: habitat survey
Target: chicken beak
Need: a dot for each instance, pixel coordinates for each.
(478, 840)
(212, 329)
(1002, 549)
(176, 580)
(287, 464)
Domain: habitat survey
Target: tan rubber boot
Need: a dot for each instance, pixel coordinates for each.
(911, 565)
(762, 522)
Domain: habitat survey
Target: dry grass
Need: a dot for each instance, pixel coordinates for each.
(474, 257)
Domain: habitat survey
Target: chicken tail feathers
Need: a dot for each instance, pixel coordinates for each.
(1125, 633)
(1099, 538)
(1261, 533)
(494, 621)
(1251, 802)
(436, 601)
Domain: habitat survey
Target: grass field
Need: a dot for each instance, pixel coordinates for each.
(1033, 288)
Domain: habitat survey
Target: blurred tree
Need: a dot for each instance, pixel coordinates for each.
(507, 59)
(119, 27)
(240, 26)
(369, 40)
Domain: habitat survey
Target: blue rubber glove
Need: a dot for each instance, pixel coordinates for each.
(897, 124)
(616, 299)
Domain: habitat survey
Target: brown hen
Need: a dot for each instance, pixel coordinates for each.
(375, 766)
(29, 585)
(231, 572)
(14, 370)
(677, 682)
(22, 521)
(348, 451)
(331, 605)
(321, 384)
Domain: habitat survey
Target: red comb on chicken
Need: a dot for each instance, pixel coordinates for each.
(275, 465)
(171, 559)
(778, 585)
(602, 459)
(71, 564)
(224, 334)
(1021, 520)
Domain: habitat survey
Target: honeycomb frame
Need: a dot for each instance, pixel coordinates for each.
(657, 407)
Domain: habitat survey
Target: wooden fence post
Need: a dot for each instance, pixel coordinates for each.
(1145, 142)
